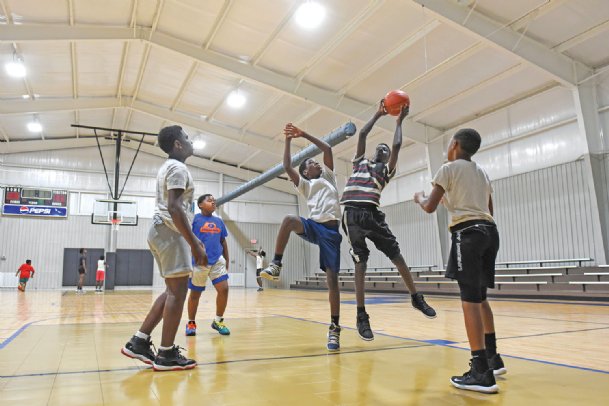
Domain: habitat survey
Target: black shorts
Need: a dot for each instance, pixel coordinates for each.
(360, 223)
(472, 255)
(81, 271)
(258, 271)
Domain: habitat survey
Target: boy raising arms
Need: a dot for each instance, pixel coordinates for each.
(211, 231)
(318, 185)
(171, 242)
(465, 189)
(362, 219)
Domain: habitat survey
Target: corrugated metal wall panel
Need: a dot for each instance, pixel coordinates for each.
(43, 241)
(545, 214)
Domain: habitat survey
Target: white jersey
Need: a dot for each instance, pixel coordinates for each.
(101, 265)
(467, 191)
(173, 175)
(259, 262)
(321, 195)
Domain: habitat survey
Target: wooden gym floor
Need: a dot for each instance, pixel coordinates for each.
(61, 349)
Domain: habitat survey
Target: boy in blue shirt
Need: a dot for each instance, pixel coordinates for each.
(211, 231)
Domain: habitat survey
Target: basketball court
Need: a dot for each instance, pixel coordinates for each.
(86, 87)
(68, 353)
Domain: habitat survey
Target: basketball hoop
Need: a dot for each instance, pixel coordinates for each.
(115, 224)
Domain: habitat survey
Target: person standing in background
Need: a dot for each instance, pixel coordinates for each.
(82, 269)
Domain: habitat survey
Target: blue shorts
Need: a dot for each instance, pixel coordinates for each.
(328, 239)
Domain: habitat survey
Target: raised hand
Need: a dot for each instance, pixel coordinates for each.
(381, 111)
(291, 131)
(419, 197)
(403, 113)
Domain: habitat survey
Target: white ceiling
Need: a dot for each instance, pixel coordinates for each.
(142, 64)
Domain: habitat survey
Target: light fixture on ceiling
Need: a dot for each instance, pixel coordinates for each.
(236, 99)
(15, 68)
(310, 15)
(198, 144)
(34, 126)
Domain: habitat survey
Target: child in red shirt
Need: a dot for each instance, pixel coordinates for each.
(25, 272)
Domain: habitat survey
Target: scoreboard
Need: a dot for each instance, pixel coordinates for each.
(21, 201)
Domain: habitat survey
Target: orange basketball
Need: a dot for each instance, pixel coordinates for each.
(394, 100)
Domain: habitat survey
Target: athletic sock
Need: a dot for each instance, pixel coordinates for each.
(479, 361)
(334, 320)
(277, 259)
(491, 344)
(361, 310)
(191, 321)
(139, 334)
(219, 319)
(161, 348)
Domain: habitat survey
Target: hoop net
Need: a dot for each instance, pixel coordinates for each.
(115, 223)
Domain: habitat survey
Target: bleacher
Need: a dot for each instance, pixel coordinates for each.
(556, 278)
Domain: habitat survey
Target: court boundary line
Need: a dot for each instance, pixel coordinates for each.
(424, 343)
(436, 343)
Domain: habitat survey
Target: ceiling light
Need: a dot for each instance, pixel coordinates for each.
(34, 126)
(310, 15)
(198, 144)
(15, 69)
(236, 99)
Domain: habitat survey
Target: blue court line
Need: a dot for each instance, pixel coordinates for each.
(25, 326)
(438, 342)
(15, 334)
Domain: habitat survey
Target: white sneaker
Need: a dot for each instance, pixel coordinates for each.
(271, 272)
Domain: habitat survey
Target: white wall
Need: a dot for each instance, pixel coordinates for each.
(81, 172)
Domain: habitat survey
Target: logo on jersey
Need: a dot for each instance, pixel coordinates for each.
(210, 227)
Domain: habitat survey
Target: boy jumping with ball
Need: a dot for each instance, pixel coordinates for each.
(363, 220)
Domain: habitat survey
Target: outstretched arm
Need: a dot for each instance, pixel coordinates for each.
(397, 139)
(429, 204)
(287, 161)
(361, 141)
(292, 131)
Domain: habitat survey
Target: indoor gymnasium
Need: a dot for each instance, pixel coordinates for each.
(304, 202)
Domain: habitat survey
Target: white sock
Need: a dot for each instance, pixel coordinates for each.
(142, 335)
(219, 319)
(161, 348)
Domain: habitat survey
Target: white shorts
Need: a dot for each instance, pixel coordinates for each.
(170, 250)
(216, 273)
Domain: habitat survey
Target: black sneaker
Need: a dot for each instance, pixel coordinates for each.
(363, 327)
(476, 381)
(172, 360)
(419, 303)
(139, 348)
(496, 364)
